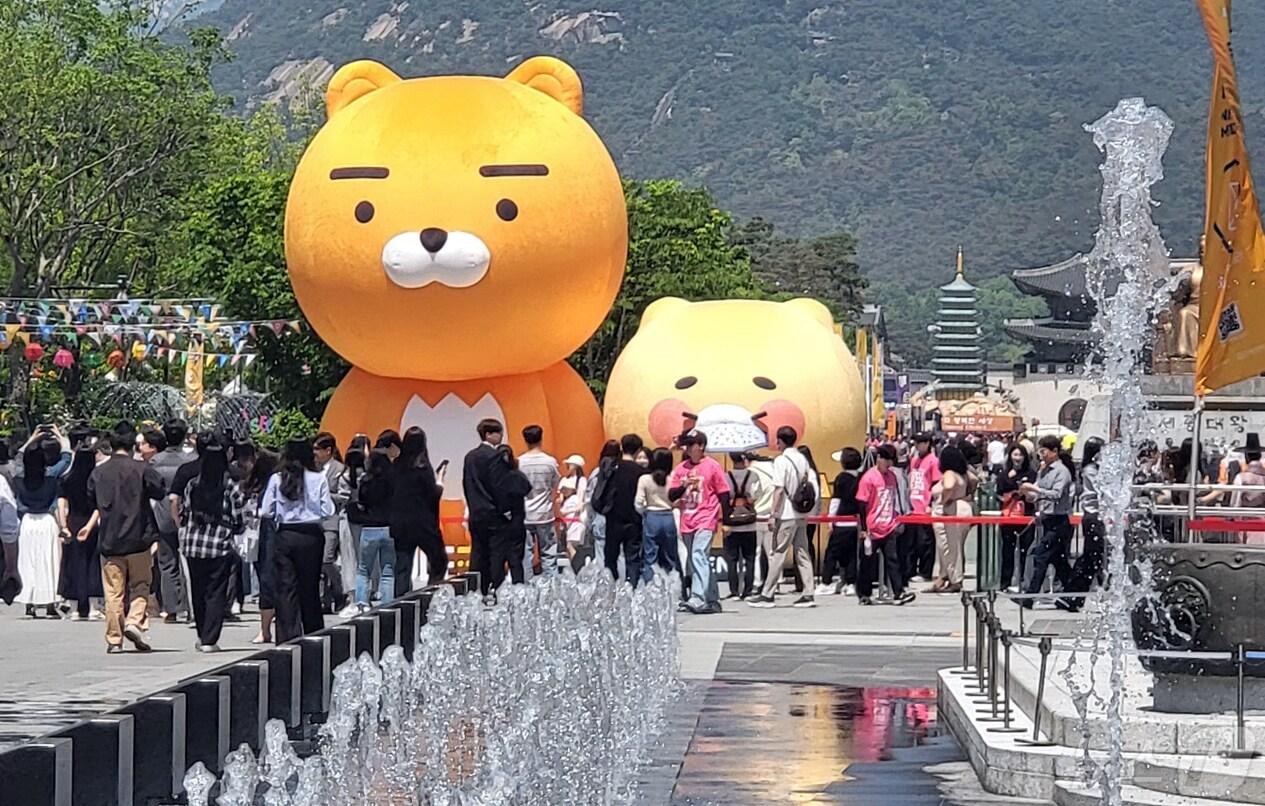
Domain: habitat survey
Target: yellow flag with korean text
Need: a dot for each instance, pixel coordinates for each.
(1232, 298)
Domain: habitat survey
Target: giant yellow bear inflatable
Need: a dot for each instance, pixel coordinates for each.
(738, 370)
(455, 238)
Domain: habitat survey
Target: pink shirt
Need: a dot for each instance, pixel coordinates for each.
(878, 491)
(700, 509)
(924, 472)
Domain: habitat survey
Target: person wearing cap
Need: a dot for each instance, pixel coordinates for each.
(572, 490)
(878, 508)
(924, 473)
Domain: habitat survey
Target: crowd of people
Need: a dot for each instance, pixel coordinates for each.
(184, 527)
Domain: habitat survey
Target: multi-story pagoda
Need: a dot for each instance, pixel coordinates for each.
(958, 361)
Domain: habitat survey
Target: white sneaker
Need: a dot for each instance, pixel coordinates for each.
(826, 590)
(209, 648)
(351, 610)
(236, 609)
(849, 590)
(918, 578)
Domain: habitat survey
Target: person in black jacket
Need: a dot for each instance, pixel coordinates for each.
(484, 482)
(415, 494)
(1018, 470)
(841, 549)
(619, 504)
(374, 497)
(514, 531)
(122, 489)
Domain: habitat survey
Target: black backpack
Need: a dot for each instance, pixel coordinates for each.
(804, 499)
(742, 512)
(603, 498)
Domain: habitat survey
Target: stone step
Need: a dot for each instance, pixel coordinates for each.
(1220, 779)
(1076, 793)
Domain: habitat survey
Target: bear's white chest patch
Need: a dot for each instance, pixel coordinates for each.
(450, 431)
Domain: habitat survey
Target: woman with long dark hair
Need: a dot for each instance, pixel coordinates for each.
(415, 498)
(659, 537)
(1018, 470)
(956, 490)
(81, 564)
(374, 499)
(210, 517)
(514, 531)
(40, 535)
(346, 489)
(297, 499)
(263, 469)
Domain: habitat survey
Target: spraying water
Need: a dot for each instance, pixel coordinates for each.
(553, 696)
(1126, 276)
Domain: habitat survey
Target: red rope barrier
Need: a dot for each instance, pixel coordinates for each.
(1225, 525)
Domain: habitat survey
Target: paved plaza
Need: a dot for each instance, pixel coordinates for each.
(830, 705)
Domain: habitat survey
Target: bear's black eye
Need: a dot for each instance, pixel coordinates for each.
(763, 382)
(686, 382)
(507, 209)
(364, 212)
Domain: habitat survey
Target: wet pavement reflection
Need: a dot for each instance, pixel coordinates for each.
(805, 744)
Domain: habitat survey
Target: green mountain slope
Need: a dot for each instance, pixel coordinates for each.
(918, 124)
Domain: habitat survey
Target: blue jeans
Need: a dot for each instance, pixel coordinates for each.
(375, 544)
(702, 584)
(544, 537)
(658, 544)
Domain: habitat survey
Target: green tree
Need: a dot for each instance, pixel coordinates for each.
(230, 246)
(997, 301)
(678, 245)
(823, 267)
(103, 123)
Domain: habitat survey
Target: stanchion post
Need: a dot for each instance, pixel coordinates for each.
(978, 683)
(966, 636)
(994, 631)
(1240, 727)
(1005, 727)
(1044, 647)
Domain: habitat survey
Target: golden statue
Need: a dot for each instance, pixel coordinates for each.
(1178, 341)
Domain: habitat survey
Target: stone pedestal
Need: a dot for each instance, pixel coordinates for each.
(1205, 694)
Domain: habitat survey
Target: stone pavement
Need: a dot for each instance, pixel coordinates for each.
(770, 714)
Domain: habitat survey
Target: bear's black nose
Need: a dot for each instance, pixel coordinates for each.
(433, 239)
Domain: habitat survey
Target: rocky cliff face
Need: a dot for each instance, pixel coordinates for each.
(919, 125)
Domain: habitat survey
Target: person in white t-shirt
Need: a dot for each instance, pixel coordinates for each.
(996, 454)
(541, 470)
(789, 526)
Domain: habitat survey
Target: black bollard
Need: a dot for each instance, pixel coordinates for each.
(100, 760)
(285, 683)
(410, 611)
(366, 628)
(37, 773)
(247, 702)
(341, 640)
(207, 701)
(314, 682)
(158, 739)
(388, 628)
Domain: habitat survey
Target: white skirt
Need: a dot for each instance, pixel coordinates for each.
(39, 559)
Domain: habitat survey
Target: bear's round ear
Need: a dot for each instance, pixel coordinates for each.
(660, 307)
(554, 78)
(814, 309)
(354, 81)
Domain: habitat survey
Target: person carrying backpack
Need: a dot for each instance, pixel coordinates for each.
(795, 497)
(741, 525)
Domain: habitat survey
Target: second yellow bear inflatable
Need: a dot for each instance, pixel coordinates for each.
(456, 238)
(738, 370)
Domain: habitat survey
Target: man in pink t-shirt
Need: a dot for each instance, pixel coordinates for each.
(700, 488)
(924, 471)
(877, 498)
